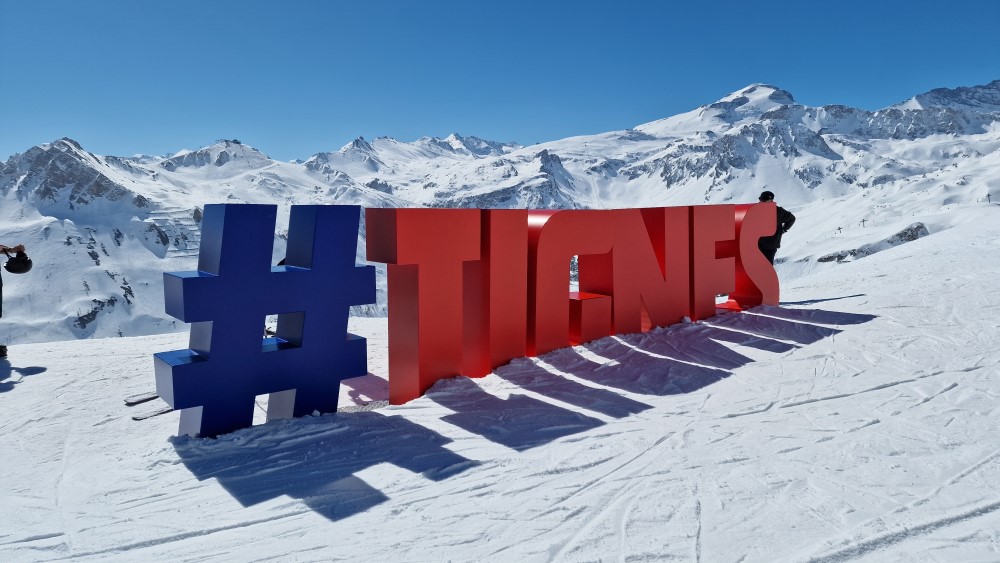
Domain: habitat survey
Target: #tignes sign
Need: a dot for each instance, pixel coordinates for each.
(469, 290)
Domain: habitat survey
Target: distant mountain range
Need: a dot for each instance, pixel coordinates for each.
(102, 229)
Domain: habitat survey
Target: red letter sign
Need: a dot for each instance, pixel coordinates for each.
(555, 237)
(756, 280)
(425, 250)
(711, 274)
(496, 293)
(470, 290)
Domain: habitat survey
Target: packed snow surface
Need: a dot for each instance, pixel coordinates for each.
(857, 421)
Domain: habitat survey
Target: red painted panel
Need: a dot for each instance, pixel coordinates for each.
(756, 280)
(554, 238)
(426, 250)
(711, 272)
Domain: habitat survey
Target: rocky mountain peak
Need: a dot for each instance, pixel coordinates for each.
(61, 177)
(984, 98)
(65, 143)
(751, 102)
(218, 154)
(479, 147)
(359, 144)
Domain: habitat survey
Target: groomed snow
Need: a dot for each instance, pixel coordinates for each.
(858, 421)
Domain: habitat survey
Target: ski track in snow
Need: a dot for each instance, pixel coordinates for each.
(857, 424)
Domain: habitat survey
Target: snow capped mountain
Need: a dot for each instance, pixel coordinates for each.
(102, 229)
(479, 147)
(392, 156)
(355, 157)
(220, 154)
(984, 98)
(62, 179)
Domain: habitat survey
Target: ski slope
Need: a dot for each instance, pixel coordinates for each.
(855, 422)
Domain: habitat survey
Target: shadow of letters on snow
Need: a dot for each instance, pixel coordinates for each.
(544, 379)
(773, 327)
(815, 301)
(665, 361)
(6, 370)
(633, 370)
(814, 315)
(518, 422)
(369, 385)
(678, 359)
(315, 459)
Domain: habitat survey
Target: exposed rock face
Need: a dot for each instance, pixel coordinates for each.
(909, 234)
(551, 186)
(62, 172)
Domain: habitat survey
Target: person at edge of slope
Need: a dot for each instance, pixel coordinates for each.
(769, 245)
(5, 249)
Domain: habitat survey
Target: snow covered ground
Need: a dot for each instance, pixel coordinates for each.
(858, 421)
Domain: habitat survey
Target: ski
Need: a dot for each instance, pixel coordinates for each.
(151, 414)
(140, 398)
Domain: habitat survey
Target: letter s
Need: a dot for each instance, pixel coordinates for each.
(756, 280)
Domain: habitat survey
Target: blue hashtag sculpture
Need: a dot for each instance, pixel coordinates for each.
(229, 362)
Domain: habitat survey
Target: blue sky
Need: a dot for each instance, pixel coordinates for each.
(293, 78)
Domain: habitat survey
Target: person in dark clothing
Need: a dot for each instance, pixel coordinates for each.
(6, 250)
(769, 245)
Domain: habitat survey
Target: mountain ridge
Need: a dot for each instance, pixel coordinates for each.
(108, 218)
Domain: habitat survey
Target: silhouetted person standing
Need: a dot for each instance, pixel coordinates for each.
(769, 245)
(21, 258)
